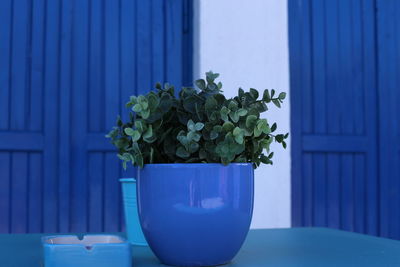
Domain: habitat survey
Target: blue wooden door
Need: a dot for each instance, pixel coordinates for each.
(388, 49)
(334, 114)
(66, 69)
(345, 88)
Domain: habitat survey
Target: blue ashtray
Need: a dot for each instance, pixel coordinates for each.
(91, 250)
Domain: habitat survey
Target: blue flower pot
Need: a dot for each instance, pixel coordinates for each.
(195, 214)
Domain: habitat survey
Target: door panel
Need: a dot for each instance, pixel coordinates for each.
(66, 69)
(345, 81)
(334, 114)
(389, 96)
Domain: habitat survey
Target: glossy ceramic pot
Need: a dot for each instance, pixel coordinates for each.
(195, 214)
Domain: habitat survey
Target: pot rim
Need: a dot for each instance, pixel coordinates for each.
(194, 164)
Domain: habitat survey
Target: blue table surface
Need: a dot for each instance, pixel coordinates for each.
(269, 247)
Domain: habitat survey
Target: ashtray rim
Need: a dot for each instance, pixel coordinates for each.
(87, 240)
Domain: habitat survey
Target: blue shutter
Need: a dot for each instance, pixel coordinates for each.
(345, 114)
(388, 37)
(66, 69)
(334, 114)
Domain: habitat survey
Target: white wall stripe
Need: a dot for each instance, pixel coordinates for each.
(247, 43)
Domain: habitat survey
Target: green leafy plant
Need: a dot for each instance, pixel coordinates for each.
(198, 126)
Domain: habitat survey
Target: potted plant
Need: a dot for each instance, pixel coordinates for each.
(195, 155)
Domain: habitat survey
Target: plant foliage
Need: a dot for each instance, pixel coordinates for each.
(199, 126)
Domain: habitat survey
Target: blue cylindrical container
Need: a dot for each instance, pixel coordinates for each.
(133, 229)
(195, 214)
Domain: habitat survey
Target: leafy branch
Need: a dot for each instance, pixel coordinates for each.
(198, 126)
